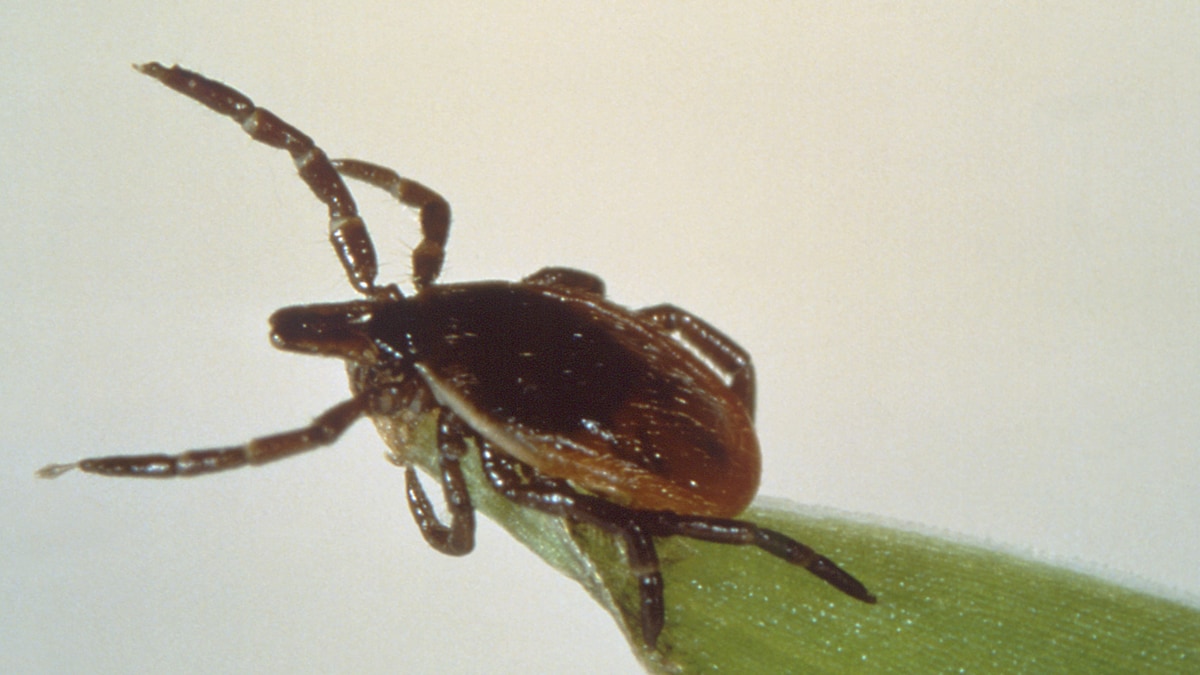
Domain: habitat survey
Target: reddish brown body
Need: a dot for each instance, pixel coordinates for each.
(639, 422)
(584, 390)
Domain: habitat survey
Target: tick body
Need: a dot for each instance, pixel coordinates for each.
(639, 422)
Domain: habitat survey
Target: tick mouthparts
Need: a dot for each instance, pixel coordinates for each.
(336, 329)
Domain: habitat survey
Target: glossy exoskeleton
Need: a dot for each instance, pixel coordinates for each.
(639, 422)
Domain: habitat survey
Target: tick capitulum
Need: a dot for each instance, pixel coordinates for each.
(580, 408)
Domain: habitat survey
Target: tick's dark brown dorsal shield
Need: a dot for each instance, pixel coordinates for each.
(639, 422)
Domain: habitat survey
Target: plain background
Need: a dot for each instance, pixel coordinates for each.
(961, 242)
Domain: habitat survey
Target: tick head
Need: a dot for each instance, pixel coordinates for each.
(334, 329)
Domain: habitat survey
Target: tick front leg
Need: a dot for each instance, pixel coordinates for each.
(347, 232)
(433, 212)
(459, 537)
(720, 349)
(323, 431)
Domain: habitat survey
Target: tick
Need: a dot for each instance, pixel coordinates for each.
(637, 421)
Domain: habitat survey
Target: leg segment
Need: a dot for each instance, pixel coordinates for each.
(728, 356)
(566, 278)
(323, 431)
(520, 484)
(433, 212)
(459, 537)
(727, 531)
(347, 232)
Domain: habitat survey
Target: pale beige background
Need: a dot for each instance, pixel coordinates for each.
(962, 244)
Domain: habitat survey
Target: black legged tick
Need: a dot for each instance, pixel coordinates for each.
(639, 422)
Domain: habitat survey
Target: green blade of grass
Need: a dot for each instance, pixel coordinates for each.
(943, 605)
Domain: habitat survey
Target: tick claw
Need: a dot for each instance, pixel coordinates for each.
(54, 470)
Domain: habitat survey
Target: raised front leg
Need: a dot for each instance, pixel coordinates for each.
(720, 350)
(323, 431)
(433, 212)
(347, 232)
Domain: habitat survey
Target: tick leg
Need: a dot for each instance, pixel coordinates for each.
(566, 278)
(347, 232)
(728, 356)
(522, 485)
(643, 561)
(519, 483)
(433, 212)
(727, 531)
(459, 537)
(323, 431)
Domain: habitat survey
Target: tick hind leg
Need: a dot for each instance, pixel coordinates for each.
(347, 232)
(731, 361)
(741, 532)
(521, 484)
